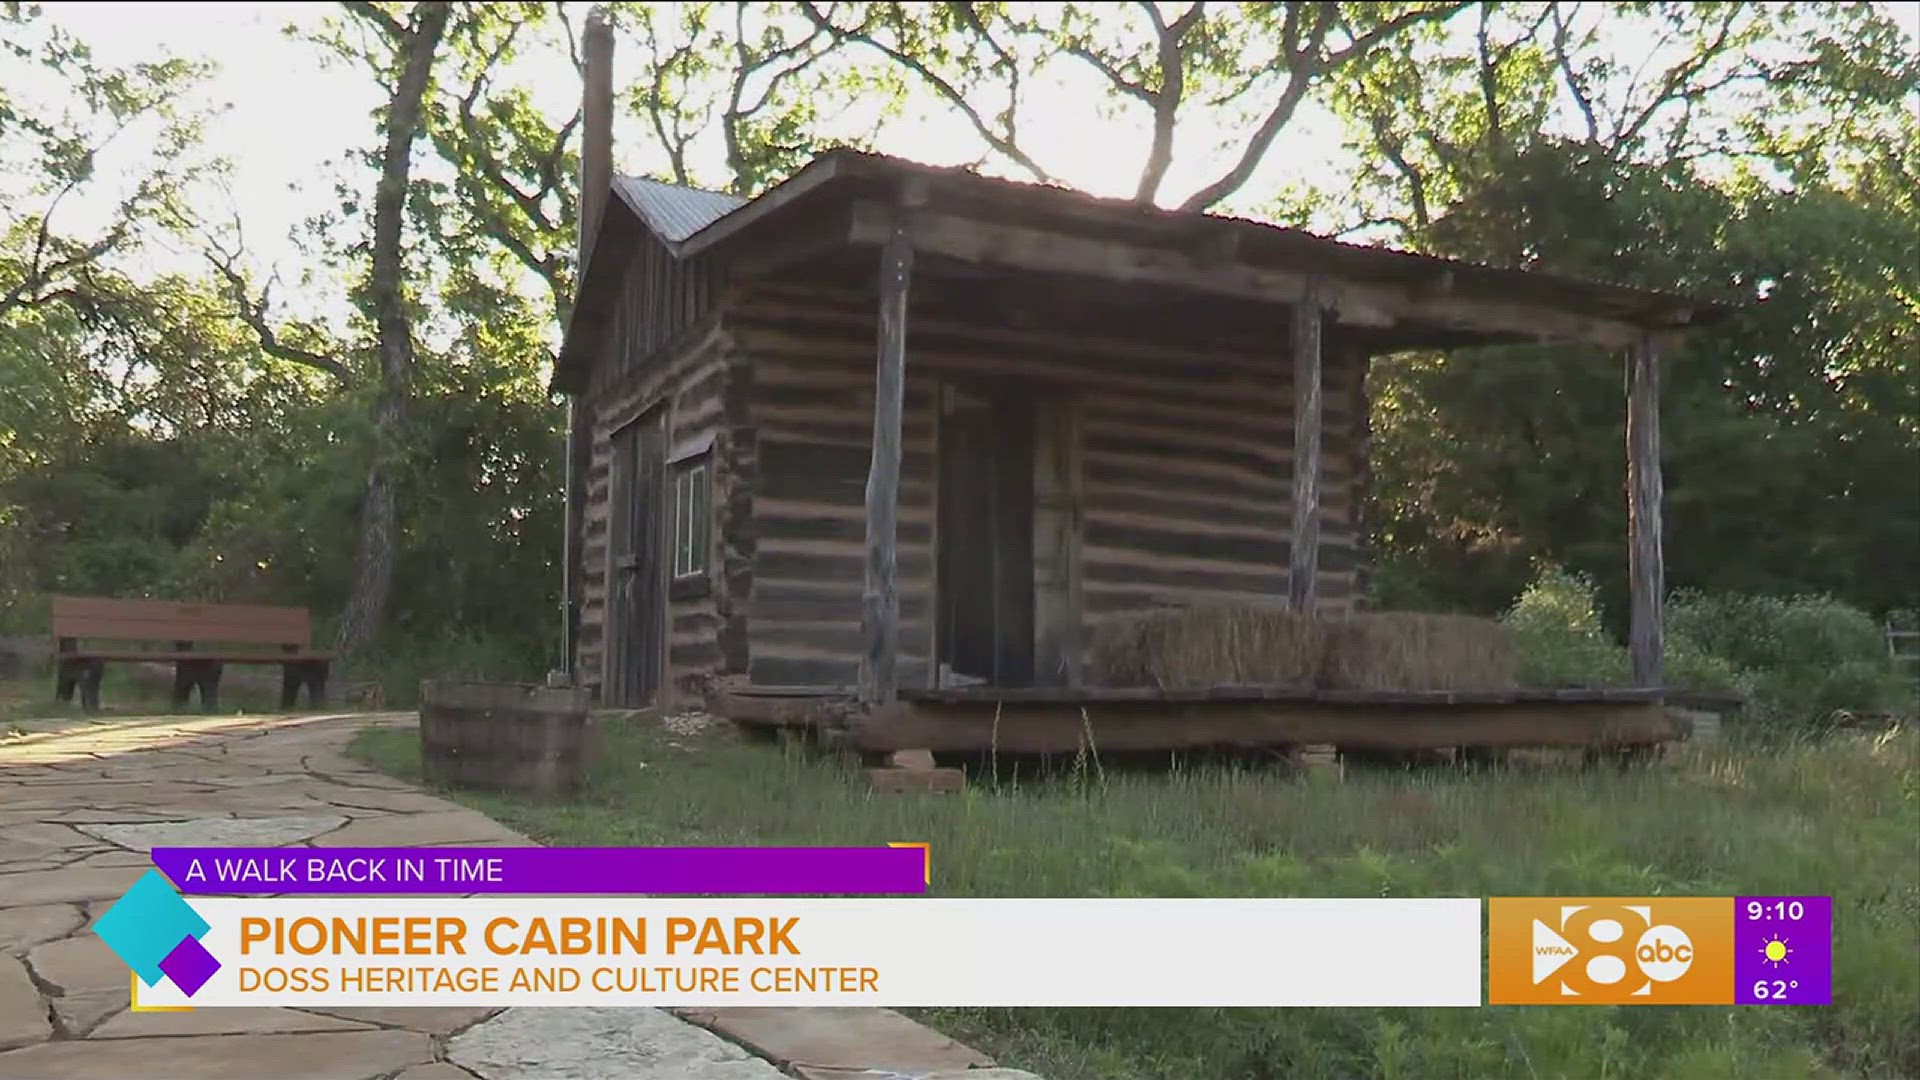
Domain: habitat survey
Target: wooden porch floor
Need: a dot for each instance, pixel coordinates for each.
(974, 720)
(1064, 695)
(1064, 720)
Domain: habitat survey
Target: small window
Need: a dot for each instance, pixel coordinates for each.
(692, 515)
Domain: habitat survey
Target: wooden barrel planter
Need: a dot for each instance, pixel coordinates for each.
(529, 740)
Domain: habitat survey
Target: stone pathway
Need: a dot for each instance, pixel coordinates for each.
(80, 804)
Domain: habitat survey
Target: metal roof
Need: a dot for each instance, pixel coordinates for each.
(671, 211)
(1264, 242)
(690, 222)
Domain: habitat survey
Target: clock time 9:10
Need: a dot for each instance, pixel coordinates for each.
(1787, 910)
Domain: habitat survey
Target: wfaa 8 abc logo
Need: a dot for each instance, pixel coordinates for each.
(1609, 951)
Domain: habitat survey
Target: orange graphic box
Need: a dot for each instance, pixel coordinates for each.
(1609, 950)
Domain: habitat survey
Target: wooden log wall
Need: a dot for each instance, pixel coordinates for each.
(810, 411)
(1360, 458)
(1185, 462)
(1059, 642)
(1188, 485)
(668, 346)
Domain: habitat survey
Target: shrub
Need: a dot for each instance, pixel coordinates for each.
(403, 661)
(1557, 636)
(1764, 633)
(1796, 660)
(1807, 657)
(1818, 693)
(1689, 666)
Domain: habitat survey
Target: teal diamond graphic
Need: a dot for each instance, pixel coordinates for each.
(149, 922)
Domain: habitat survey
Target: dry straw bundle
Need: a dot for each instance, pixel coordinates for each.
(1227, 646)
(1405, 650)
(1209, 647)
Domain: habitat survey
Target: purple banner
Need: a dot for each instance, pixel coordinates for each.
(740, 871)
(1783, 950)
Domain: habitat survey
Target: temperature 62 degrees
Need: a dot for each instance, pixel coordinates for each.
(1774, 989)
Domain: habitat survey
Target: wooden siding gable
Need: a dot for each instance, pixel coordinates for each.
(661, 299)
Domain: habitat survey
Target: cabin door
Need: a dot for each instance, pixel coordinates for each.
(637, 610)
(985, 589)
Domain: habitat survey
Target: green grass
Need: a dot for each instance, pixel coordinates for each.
(31, 698)
(1839, 817)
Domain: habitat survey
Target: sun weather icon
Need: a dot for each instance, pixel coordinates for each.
(1775, 950)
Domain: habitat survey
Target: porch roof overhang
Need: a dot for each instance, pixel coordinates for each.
(846, 198)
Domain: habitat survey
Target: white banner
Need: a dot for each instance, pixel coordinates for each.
(313, 951)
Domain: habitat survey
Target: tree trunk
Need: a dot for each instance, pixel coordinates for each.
(414, 50)
(379, 522)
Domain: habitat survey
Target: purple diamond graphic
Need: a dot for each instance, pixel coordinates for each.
(190, 965)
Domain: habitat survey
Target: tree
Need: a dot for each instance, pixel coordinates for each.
(86, 352)
(1260, 60)
(754, 73)
(413, 47)
(1760, 157)
(1692, 87)
(51, 148)
(512, 190)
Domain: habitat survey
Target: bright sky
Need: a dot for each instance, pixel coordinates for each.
(287, 118)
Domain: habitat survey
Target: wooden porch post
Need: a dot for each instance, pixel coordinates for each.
(1303, 558)
(1646, 566)
(880, 601)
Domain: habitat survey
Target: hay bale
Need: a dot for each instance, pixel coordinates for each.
(1403, 650)
(1115, 656)
(1216, 646)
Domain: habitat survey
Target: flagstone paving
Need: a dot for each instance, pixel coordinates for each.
(82, 802)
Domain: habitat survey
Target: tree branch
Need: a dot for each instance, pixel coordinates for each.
(1361, 45)
(1256, 148)
(481, 157)
(573, 39)
(1004, 58)
(1304, 67)
(1562, 29)
(39, 274)
(1682, 73)
(1167, 100)
(966, 13)
(1187, 19)
(253, 314)
(1395, 153)
(747, 64)
(1112, 74)
(1489, 80)
(1002, 143)
(387, 23)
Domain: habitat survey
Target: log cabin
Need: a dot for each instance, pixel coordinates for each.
(889, 433)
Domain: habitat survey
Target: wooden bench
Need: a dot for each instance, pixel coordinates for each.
(199, 639)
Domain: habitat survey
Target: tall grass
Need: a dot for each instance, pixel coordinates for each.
(1835, 818)
(401, 662)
